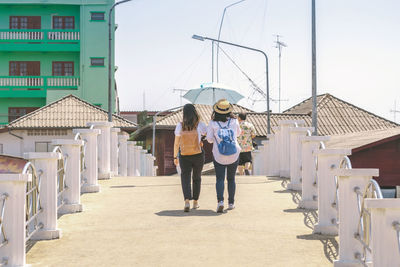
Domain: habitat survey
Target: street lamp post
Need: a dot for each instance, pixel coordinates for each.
(110, 59)
(314, 70)
(202, 38)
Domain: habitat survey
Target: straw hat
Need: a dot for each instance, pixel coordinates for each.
(223, 106)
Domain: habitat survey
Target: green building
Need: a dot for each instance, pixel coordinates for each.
(53, 48)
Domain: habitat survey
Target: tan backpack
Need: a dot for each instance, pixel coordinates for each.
(189, 143)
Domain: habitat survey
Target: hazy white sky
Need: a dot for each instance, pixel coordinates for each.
(358, 50)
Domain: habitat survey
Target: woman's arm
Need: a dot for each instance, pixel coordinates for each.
(176, 149)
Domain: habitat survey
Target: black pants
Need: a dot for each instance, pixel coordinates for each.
(188, 164)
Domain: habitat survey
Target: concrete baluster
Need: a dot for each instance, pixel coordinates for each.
(114, 151)
(328, 160)
(123, 154)
(273, 162)
(142, 162)
(385, 218)
(257, 162)
(13, 187)
(348, 180)
(46, 164)
(137, 150)
(91, 155)
(296, 156)
(265, 156)
(104, 146)
(72, 194)
(309, 189)
(131, 158)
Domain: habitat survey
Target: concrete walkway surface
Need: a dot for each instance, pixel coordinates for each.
(139, 221)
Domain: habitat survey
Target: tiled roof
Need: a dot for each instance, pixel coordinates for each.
(67, 112)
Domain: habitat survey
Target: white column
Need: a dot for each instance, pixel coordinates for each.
(296, 156)
(285, 145)
(72, 194)
(384, 244)
(264, 148)
(143, 162)
(46, 162)
(149, 165)
(114, 151)
(14, 186)
(273, 162)
(123, 154)
(104, 146)
(328, 160)
(309, 187)
(257, 162)
(349, 214)
(91, 154)
(137, 161)
(131, 158)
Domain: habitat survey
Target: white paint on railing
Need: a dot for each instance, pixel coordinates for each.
(114, 151)
(104, 148)
(123, 154)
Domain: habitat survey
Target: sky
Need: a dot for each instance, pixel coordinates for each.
(358, 51)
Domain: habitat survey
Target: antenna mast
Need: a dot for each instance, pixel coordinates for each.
(279, 44)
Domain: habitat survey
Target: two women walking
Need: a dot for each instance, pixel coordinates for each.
(222, 132)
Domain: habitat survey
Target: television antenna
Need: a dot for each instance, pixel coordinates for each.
(279, 44)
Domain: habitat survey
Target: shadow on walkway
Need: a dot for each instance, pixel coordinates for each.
(181, 213)
(331, 246)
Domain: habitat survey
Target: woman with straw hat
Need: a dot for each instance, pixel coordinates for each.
(222, 131)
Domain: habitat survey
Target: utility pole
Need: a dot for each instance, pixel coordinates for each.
(279, 44)
(394, 111)
(181, 91)
(314, 70)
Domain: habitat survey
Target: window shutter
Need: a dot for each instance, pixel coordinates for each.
(34, 22)
(33, 68)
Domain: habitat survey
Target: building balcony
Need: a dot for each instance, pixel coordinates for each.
(39, 40)
(35, 86)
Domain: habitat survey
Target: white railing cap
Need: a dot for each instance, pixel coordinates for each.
(115, 130)
(289, 122)
(357, 172)
(315, 138)
(123, 134)
(131, 143)
(42, 155)
(270, 136)
(100, 123)
(15, 177)
(70, 142)
(87, 131)
(383, 203)
(301, 129)
(276, 128)
(332, 151)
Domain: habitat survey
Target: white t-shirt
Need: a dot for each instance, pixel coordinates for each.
(212, 134)
(201, 129)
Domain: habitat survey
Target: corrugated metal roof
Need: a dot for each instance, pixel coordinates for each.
(67, 112)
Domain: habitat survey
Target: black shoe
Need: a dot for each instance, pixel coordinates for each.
(246, 172)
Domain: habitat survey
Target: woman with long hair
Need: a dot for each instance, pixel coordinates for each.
(189, 155)
(222, 131)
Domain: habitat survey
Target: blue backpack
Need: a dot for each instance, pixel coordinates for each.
(227, 146)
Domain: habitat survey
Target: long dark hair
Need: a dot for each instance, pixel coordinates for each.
(222, 117)
(190, 118)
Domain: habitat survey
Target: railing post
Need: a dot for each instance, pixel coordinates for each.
(103, 148)
(123, 154)
(256, 162)
(273, 162)
(309, 186)
(328, 160)
(349, 180)
(385, 219)
(91, 154)
(142, 165)
(13, 187)
(137, 162)
(265, 158)
(296, 156)
(131, 158)
(46, 162)
(72, 194)
(284, 149)
(114, 151)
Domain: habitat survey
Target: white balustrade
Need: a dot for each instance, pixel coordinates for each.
(114, 151)
(328, 160)
(309, 186)
(273, 158)
(150, 163)
(47, 164)
(90, 136)
(385, 229)
(12, 194)
(131, 158)
(104, 148)
(143, 165)
(136, 167)
(123, 154)
(350, 182)
(71, 195)
(296, 156)
(257, 161)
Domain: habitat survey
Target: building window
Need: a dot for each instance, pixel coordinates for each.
(97, 61)
(24, 68)
(63, 22)
(98, 16)
(16, 112)
(43, 147)
(63, 68)
(25, 22)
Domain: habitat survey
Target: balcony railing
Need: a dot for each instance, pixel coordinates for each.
(39, 35)
(35, 86)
